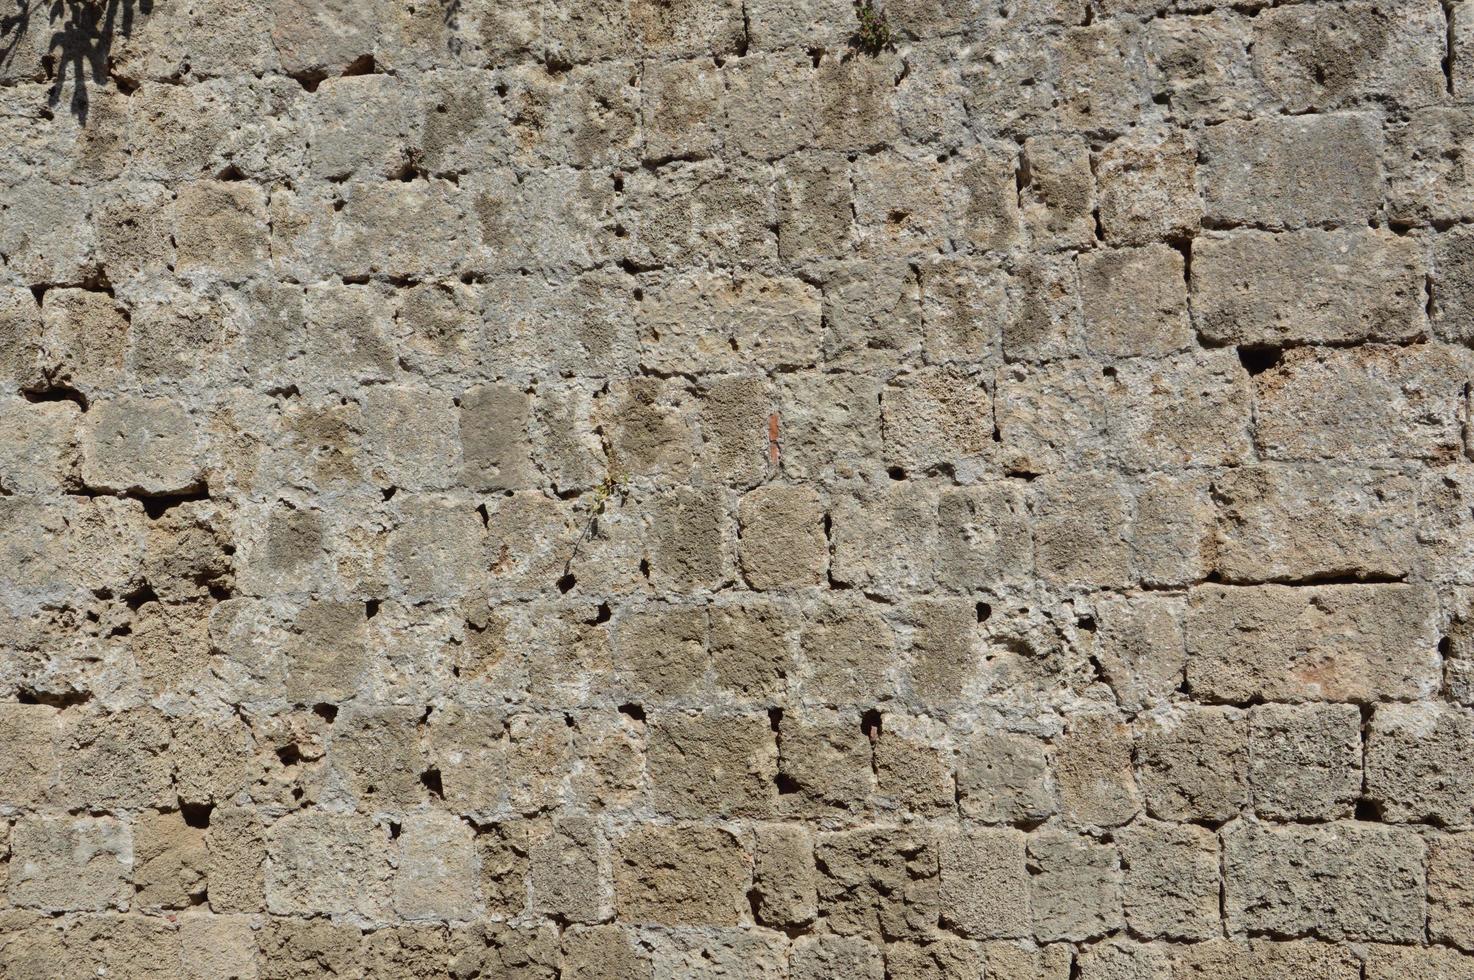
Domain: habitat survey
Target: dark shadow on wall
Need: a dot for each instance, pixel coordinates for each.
(79, 47)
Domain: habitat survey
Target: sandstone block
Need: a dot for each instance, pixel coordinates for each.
(1331, 643)
(878, 883)
(1135, 301)
(1093, 771)
(1305, 760)
(1075, 887)
(1397, 402)
(784, 875)
(63, 863)
(170, 862)
(985, 884)
(1292, 171)
(1147, 188)
(827, 957)
(1194, 763)
(1170, 884)
(141, 445)
(681, 875)
(1258, 289)
(1380, 54)
(1425, 182)
(1059, 200)
(1303, 522)
(1188, 410)
(782, 537)
(1415, 768)
(1004, 778)
(1139, 642)
(1336, 881)
(435, 877)
(321, 862)
(28, 770)
(712, 764)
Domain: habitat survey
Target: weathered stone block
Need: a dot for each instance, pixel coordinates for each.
(1305, 760)
(1336, 881)
(1306, 522)
(1135, 301)
(782, 543)
(878, 883)
(1257, 289)
(320, 862)
(985, 884)
(1194, 763)
(1331, 643)
(1292, 171)
(1390, 402)
(141, 445)
(1147, 188)
(681, 875)
(1170, 887)
(64, 863)
(1093, 771)
(1416, 768)
(712, 764)
(784, 876)
(1075, 887)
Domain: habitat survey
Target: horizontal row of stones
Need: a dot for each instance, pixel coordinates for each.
(1254, 524)
(1005, 75)
(1402, 764)
(1340, 881)
(196, 946)
(1249, 288)
(809, 210)
(128, 640)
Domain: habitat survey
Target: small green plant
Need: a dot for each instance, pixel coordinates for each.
(874, 35)
(615, 484)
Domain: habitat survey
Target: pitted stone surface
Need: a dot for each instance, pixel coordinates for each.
(736, 489)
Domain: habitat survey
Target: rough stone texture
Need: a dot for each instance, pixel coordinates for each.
(669, 490)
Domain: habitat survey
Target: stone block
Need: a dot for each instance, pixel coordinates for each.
(1305, 760)
(1323, 643)
(1292, 171)
(1256, 289)
(1194, 763)
(680, 876)
(63, 863)
(1335, 881)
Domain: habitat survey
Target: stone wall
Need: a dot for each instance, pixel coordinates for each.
(652, 489)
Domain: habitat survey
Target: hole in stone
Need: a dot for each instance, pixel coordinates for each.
(390, 492)
(289, 754)
(430, 779)
(395, 829)
(327, 712)
(896, 473)
(645, 568)
(775, 718)
(140, 596)
(370, 608)
(1368, 810)
(786, 784)
(567, 582)
(632, 711)
(1086, 623)
(984, 611)
(602, 614)
(56, 393)
(196, 815)
(362, 65)
(870, 724)
(1257, 360)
